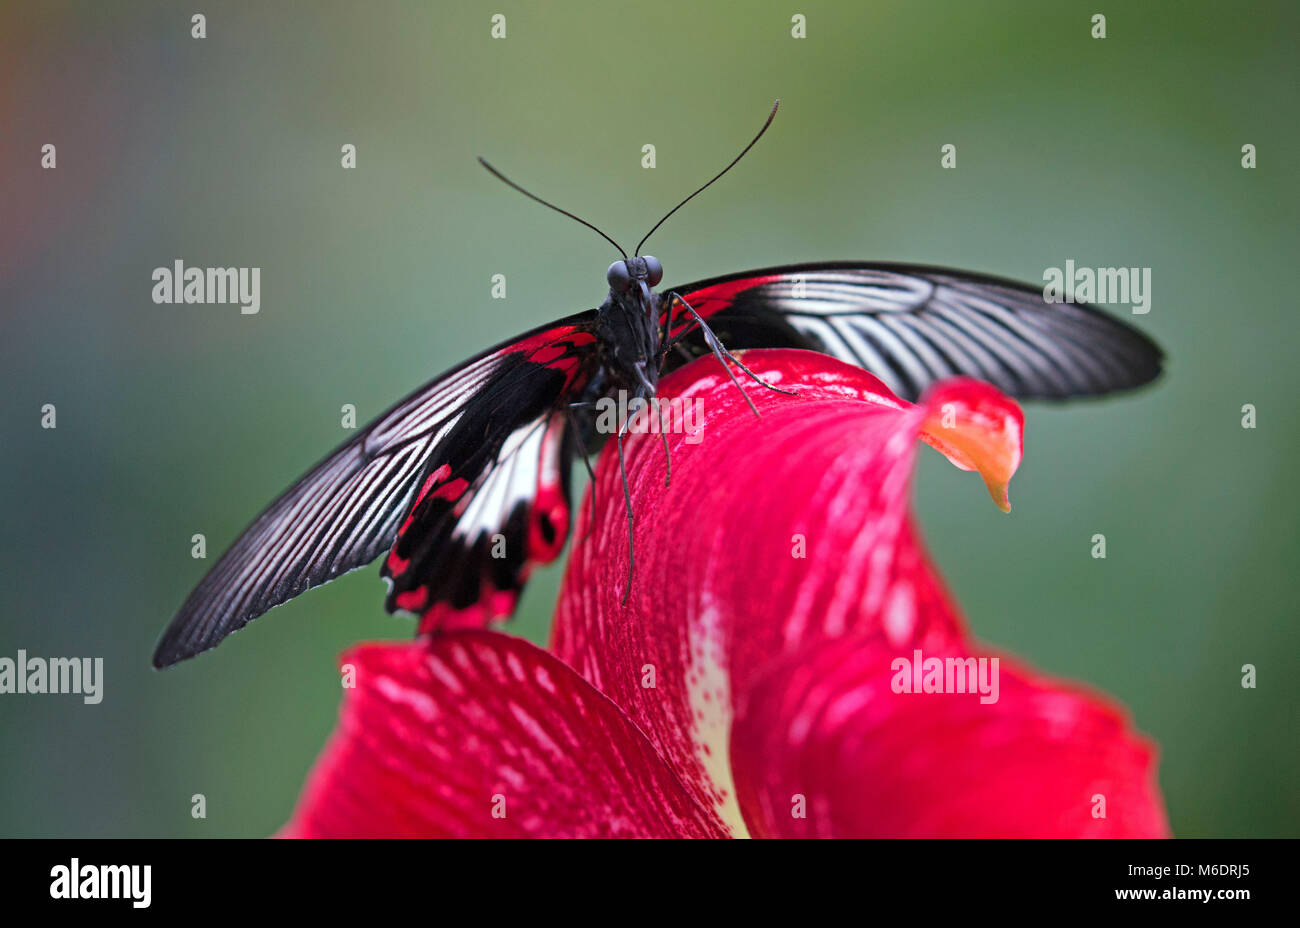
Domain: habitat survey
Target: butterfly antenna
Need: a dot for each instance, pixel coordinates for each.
(770, 117)
(564, 212)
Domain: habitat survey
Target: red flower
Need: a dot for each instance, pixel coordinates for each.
(774, 667)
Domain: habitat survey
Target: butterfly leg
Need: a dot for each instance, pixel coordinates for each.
(627, 492)
(666, 342)
(655, 422)
(668, 455)
(723, 355)
(671, 341)
(664, 336)
(627, 501)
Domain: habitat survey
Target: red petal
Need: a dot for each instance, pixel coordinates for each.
(773, 533)
(438, 736)
(823, 732)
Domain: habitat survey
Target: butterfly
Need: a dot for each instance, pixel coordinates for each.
(464, 485)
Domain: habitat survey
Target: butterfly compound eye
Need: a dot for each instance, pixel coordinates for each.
(619, 277)
(654, 270)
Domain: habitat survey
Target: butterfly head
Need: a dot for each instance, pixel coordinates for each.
(623, 274)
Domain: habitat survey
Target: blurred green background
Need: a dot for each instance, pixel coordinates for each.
(226, 151)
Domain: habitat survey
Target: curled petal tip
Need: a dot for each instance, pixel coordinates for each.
(977, 427)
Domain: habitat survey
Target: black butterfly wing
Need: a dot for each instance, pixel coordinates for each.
(912, 325)
(350, 508)
(495, 504)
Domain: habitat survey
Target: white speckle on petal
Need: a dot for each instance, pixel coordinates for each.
(446, 676)
(899, 619)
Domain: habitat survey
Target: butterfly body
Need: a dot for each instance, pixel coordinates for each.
(628, 327)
